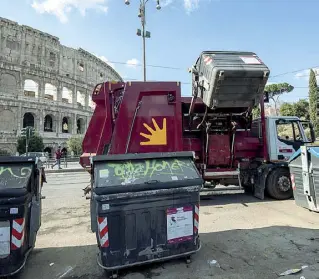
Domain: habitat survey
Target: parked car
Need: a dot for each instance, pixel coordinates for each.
(43, 156)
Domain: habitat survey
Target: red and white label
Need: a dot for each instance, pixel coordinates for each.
(103, 231)
(17, 234)
(196, 219)
(180, 224)
(293, 182)
(208, 60)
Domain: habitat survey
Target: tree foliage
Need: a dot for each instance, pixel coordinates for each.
(299, 109)
(75, 144)
(277, 89)
(35, 144)
(313, 99)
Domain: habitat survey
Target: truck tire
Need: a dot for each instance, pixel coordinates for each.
(279, 184)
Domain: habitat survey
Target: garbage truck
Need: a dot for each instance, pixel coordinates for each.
(21, 181)
(216, 124)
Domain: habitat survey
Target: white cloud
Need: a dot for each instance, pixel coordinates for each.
(61, 8)
(132, 63)
(305, 74)
(165, 3)
(104, 59)
(189, 5)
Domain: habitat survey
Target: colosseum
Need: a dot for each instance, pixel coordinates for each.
(45, 85)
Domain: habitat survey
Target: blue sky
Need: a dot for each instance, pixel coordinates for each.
(281, 32)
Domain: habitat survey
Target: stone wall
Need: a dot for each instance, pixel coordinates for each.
(45, 84)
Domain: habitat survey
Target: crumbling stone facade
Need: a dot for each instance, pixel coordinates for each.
(45, 85)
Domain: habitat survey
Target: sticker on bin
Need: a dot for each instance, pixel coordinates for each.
(250, 60)
(208, 60)
(4, 238)
(179, 224)
(14, 210)
(104, 173)
(196, 219)
(105, 206)
(103, 231)
(17, 239)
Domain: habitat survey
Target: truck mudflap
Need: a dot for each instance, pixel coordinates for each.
(261, 177)
(20, 211)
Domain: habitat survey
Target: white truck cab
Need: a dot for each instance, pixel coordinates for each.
(285, 135)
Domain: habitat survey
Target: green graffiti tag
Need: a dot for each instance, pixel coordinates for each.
(149, 168)
(16, 172)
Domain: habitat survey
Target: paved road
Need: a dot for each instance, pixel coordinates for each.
(249, 238)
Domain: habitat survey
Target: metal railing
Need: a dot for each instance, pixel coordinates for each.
(65, 160)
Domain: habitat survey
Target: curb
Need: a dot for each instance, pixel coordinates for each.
(65, 170)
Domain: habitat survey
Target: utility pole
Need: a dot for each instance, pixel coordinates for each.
(143, 33)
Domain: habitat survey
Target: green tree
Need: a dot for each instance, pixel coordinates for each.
(277, 89)
(75, 144)
(302, 109)
(287, 109)
(299, 109)
(313, 99)
(35, 144)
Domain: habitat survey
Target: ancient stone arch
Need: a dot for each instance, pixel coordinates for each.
(80, 126)
(28, 120)
(48, 123)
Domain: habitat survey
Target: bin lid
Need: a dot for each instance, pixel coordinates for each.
(144, 171)
(15, 175)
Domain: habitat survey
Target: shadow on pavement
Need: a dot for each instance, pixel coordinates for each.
(244, 199)
(247, 253)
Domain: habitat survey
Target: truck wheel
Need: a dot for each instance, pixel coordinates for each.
(279, 184)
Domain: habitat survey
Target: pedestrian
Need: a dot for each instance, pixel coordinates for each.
(58, 155)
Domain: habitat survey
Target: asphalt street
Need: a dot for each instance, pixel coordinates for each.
(242, 237)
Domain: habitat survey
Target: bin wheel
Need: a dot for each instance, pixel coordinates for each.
(111, 274)
(188, 260)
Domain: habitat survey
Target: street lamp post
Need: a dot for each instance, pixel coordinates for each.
(27, 132)
(143, 33)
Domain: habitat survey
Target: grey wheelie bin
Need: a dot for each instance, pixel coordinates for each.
(144, 208)
(304, 171)
(21, 180)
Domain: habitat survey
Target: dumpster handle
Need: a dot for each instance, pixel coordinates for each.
(151, 181)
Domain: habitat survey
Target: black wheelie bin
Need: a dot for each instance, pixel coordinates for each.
(144, 208)
(21, 180)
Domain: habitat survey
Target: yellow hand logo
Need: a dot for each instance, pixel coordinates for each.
(157, 136)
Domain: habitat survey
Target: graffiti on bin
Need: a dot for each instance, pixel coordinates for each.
(14, 176)
(130, 171)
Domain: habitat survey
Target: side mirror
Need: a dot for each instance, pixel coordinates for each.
(266, 97)
(311, 130)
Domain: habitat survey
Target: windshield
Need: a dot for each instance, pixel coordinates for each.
(15, 175)
(144, 171)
